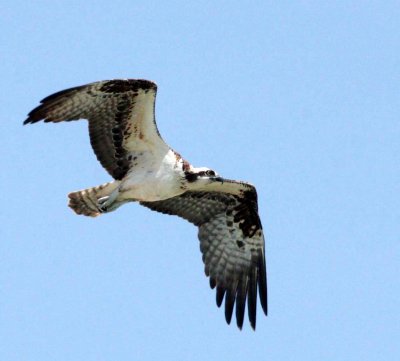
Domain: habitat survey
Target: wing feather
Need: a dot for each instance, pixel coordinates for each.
(232, 243)
(120, 115)
(241, 302)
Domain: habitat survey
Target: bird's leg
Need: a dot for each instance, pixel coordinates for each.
(109, 203)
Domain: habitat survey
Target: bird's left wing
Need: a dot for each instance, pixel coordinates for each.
(232, 243)
(120, 114)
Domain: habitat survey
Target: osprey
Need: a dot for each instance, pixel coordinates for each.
(126, 141)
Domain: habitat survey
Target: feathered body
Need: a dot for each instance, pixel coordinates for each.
(126, 141)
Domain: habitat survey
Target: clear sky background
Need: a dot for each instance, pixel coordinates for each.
(301, 98)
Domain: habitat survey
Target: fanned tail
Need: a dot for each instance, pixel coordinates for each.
(86, 201)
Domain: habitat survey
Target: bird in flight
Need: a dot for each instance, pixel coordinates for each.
(124, 136)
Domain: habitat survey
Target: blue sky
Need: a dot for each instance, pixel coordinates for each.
(301, 98)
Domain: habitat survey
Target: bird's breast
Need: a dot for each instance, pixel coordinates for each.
(151, 185)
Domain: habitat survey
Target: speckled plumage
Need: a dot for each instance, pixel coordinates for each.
(125, 139)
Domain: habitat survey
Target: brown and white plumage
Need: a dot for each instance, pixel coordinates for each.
(125, 139)
(119, 113)
(232, 243)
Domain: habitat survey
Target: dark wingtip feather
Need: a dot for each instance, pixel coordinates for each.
(262, 284)
(241, 303)
(220, 295)
(38, 113)
(229, 303)
(31, 120)
(252, 299)
(34, 116)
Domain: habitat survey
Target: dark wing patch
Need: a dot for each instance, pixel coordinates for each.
(114, 157)
(116, 110)
(232, 243)
(121, 86)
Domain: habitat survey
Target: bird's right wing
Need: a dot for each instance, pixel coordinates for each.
(232, 243)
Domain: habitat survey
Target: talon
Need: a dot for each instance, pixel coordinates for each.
(104, 203)
(109, 203)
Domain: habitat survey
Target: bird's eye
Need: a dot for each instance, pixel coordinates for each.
(210, 173)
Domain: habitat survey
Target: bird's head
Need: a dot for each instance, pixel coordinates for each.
(201, 175)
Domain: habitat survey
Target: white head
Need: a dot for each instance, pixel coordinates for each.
(201, 175)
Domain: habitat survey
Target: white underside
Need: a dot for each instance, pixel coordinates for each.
(153, 179)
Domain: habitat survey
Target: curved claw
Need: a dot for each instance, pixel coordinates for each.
(108, 203)
(104, 204)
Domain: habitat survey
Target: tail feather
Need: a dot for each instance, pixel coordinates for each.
(86, 201)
